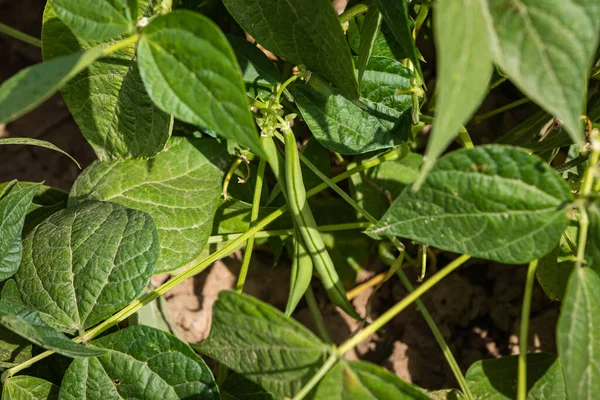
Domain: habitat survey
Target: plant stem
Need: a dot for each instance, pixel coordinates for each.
(460, 378)
(239, 287)
(287, 83)
(288, 232)
(20, 35)
(352, 12)
(479, 118)
(329, 363)
(121, 44)
(524, 331)
(309, 295)
(401, 305)
(137, 304)
(421, 17)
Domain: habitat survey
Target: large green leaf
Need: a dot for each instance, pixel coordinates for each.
(368, 36)
(555, 267)
(258, 72)
(258, 341)
(492, 202)
(24, 387)
(108, 100)
(33, 85)
(546, 47)
(180, 188)
(496, 379)
(592, 248)
(375, 188)
(28, 323)
(13, 209)
(97, 19)
(86, 262)
(343, 126)
(140, 363)
(236, 387)
(395, 14)
(362, 380)
(190, 71)
(306, 32)
(578, 334)
(464, 68)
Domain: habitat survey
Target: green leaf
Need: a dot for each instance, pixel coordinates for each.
(33, 85)
(376, 188)
(180, 188)
(496, 379)
(108, 100)
(306, 32)
(368, 36)
(493, 202)
(207, 89)
(84, 263)
(140, 363)
(29, 324)
(97, 19)
(14, 349)
(385, 45)
(343, 126)
(38, 143)
(24, 387)
(258, 72)
(13, 209)
(464, 69)
(592, 248)
(546, 47)
(577, 333)
(395, 14)
(236, 387)
(258, 341)
(363, 380)
(555, 267)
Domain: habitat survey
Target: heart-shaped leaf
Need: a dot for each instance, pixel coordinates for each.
(180, 188)
(140, 363)
(108, 99)
(24, 387)
(86, 262)
(97, 19)
(492, 202)
(190, 71)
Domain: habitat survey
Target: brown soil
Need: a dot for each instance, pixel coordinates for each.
(477, 309)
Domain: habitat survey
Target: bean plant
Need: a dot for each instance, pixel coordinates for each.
(206, 144)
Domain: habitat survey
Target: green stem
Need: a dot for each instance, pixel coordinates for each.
(401, 305)
(20, 35)
(239, 287)
(465, 138)
(309, 295)
(497, 83)
(10, 372)
(333, 358)
(421, 17)
(352, 12)
(135, 305)
(571, 164)
(285, 84)
(479, 118)
(586, 189)
(121, 44)
(288, 232)
(460, 378)
(524, 331)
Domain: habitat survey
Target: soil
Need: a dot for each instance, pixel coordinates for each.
(477, 308)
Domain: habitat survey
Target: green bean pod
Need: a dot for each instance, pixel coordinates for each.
(302, 270)
(307, 226)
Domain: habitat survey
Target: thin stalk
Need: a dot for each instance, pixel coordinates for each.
(287, 83)
(288, 232)
(479, 118)
(121, 44)
(586, 189)
(421, 17)
(458, 375)
(239, 287)
(12, 32)
(465, 138)
(149, 297)
(309, 295)
(497, 83)
(353, 12)
(524, 331)
(333, 358)
(401, 305)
